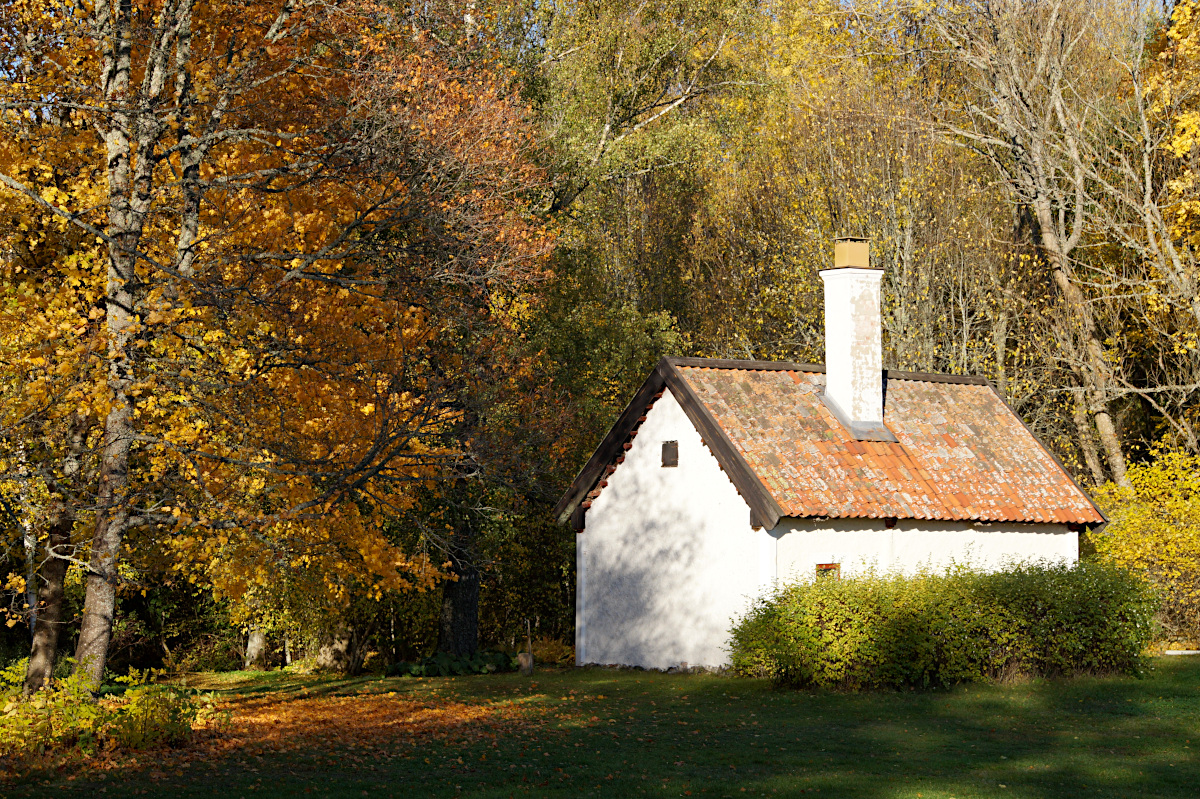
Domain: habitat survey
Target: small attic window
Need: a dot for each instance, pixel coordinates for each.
(670, 453)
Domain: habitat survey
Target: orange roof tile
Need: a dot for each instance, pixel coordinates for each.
(962, 452)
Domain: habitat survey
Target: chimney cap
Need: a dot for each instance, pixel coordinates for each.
(851, 252)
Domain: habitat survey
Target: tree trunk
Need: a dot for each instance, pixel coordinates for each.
(49, 618)
(1091, 365)
(334, 652)
(459, 631)
(127, 209)
(100, 598)
(1087, 443)
(256, 650)
(1111, 442)
(1000, 352)
(344, 649)
(54, 569)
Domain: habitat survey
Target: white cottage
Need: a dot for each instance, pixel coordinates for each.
(722, 477)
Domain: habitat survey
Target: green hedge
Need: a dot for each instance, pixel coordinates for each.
(896, 631)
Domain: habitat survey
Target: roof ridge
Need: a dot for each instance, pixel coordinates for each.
(748, 366)
(819, 368)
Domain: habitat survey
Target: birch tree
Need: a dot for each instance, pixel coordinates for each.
(1038, 74)
(616, 78)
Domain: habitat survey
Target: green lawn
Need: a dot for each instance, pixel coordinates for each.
(609, 733)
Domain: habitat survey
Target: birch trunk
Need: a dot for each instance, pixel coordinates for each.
(127, 205)
(1093, 368)
(1087, 443)
(1000, 351)
(256, 650)
(100, 599)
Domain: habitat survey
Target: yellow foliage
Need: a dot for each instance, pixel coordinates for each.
(1154, 527)
(1175, 89)
(273, 363)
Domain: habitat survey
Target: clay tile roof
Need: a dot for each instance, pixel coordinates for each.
(962, 452)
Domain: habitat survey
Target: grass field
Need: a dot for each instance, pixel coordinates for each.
(625, 733)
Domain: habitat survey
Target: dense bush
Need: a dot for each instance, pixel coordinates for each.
(1154, 529)
(551, 651)
(149, 715)
(939, 629)
(66, 715)
(60, 716)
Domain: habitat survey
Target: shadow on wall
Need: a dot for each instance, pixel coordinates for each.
(654, 596)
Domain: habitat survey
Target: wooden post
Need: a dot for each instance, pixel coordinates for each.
(525, 659)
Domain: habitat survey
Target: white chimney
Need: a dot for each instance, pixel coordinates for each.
(853, 341)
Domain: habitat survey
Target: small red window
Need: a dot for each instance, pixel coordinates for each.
(829, 571)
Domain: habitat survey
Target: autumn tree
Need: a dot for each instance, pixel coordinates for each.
(291, 202)
(614, 77)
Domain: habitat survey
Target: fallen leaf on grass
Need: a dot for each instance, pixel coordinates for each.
(360, 727)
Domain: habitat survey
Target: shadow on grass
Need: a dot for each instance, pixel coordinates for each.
(608, 733)
(1099, 737)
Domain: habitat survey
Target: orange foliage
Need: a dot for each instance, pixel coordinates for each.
(245, 271)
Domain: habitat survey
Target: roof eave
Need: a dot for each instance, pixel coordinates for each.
(610, 446)
(1062, 467)
(764, 509)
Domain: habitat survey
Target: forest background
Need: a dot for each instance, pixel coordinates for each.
(309, 312)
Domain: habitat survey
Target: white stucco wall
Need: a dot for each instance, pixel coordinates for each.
(859, 544)
(668, 556)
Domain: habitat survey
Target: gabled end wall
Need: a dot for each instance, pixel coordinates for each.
(669, 555)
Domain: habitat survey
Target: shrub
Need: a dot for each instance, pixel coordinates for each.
(151, 715)
(548, 650)
(63, 715)
(66, 715)
(893, 631)
(1154, 528)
